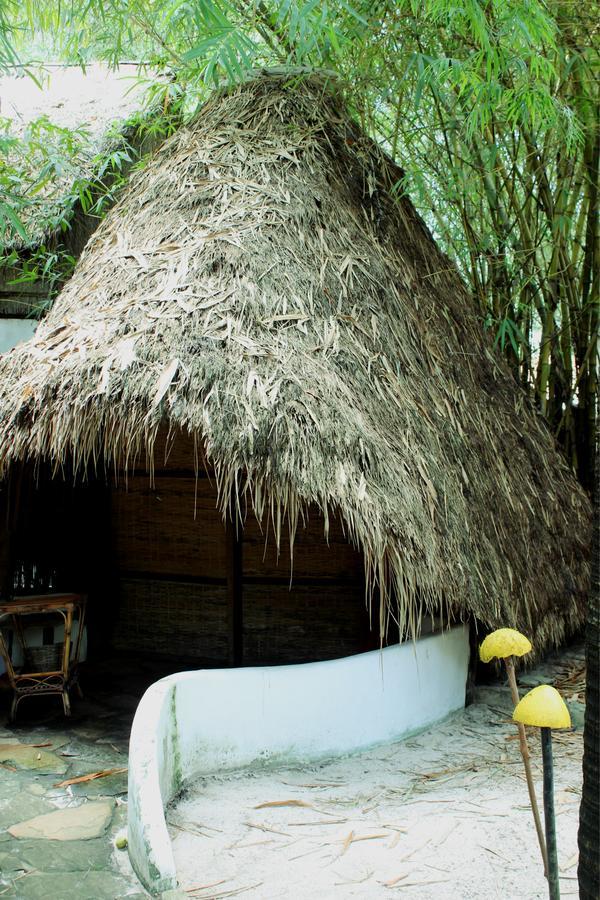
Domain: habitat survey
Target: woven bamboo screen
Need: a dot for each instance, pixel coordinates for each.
(170, 547)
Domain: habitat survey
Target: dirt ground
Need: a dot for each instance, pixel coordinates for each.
(442, 814)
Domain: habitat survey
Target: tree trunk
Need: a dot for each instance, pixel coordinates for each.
(589, 816)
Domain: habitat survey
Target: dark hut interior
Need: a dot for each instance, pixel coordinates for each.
(169, 579)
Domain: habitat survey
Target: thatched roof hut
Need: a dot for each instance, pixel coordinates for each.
(262, 286)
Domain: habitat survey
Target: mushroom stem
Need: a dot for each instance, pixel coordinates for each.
(512, 680)
(553, 883)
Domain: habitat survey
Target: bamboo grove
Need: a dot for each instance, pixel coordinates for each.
(490, 106)
(512, 184)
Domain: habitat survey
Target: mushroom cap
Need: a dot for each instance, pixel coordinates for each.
(543, 706)
(502, 643)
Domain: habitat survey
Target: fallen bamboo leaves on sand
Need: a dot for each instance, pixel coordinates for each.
(221, 895)
(275, 804)
(353, 838)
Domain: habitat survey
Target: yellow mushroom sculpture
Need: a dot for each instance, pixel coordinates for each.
(544, 708)
(506, 643)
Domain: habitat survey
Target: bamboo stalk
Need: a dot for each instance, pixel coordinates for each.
(544, 362)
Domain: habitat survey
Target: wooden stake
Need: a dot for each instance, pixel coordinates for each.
(512, 680)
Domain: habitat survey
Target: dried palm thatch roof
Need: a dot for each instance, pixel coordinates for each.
(259, 286)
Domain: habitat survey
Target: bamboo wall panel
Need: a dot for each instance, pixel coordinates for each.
(156, 531)
(313, 556)
(304, 624)
(173, 618)
(161, 549)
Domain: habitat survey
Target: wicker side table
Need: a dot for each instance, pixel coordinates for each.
(49, 669)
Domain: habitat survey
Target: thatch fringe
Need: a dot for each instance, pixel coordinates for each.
(262, 286)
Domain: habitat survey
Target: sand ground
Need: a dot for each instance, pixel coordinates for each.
(442, 814)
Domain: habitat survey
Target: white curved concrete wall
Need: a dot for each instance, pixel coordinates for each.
(195, 723)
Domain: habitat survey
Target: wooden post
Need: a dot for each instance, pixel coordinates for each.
(234, 588)
(550, 819)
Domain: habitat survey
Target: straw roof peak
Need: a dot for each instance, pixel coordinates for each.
(262, 285)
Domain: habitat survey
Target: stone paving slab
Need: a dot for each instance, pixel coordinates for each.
(28, 756)
(61, 856)
(69, 886)
(95, 738)
(75, 823)
(22, 806)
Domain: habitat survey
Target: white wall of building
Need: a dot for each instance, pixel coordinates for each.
(14, 331)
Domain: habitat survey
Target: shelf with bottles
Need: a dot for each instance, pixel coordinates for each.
(33, 577)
